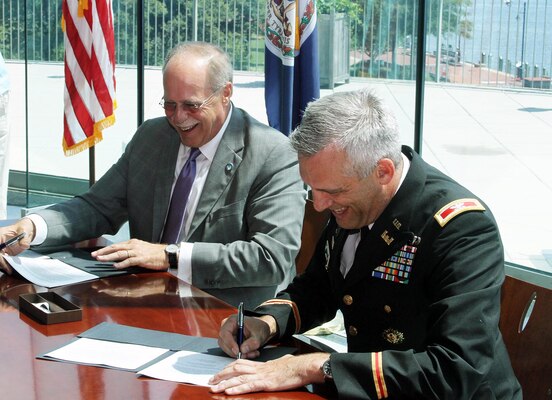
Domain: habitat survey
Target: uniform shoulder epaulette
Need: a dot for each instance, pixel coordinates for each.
(456, 207)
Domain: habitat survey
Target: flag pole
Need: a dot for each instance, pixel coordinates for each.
(91, 165)
(140, 61)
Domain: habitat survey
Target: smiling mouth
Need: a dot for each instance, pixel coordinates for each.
(339, 211)
(187, 128)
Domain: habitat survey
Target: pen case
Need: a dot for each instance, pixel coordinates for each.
(49, 308)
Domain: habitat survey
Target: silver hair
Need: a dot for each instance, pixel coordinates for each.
(356, 122)
(220, 67)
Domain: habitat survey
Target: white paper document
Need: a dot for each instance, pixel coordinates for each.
(47, 272)
(187, 367)
(106, 353)
(333, 341)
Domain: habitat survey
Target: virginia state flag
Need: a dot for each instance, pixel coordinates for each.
(292, 77)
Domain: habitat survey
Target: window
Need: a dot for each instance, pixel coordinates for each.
(487, 102)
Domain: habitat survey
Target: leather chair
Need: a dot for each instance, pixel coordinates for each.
(314, 223)
(526, 325)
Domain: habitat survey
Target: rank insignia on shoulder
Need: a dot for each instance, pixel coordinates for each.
(393, 336)
(456, 207)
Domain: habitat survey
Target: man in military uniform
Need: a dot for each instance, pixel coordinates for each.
(412, 259)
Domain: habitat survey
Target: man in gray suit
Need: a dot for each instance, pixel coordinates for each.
(241, 227)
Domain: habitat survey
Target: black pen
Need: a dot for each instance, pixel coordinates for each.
(11, 241)
(240, 328)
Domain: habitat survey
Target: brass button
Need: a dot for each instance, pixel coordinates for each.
(387, 308)
(353, 331)
(348, 299)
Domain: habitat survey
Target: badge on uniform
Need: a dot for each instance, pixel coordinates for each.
(397, 268)
(393, 336)
(328, 248)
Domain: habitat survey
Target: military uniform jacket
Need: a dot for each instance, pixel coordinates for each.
(421, 302)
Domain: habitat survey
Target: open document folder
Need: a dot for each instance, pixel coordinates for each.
(161, 355)
(63, 267)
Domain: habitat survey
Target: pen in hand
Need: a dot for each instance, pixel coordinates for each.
(240, 328)
(12, 241)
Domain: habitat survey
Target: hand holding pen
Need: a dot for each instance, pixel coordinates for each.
(12, 241)
(4, 265)
(16, 239)
(247, 341)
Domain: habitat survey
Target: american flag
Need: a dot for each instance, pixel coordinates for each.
(89, 94)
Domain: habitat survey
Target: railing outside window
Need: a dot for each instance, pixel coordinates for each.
(475, 42)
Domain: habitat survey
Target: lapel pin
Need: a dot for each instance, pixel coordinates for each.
(327, 255)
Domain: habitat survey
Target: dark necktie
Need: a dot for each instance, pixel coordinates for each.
(179, 198)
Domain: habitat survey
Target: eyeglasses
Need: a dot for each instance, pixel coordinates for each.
(188, 106)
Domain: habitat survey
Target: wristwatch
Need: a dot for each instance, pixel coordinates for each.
(326, 369)
(172, 251)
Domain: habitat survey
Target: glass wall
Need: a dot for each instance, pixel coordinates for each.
(486, 103)
(488, 115)
(32, 44)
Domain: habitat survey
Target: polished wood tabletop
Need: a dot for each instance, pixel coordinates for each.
(151, 300)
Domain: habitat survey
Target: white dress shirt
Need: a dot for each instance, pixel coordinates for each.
(203, 164)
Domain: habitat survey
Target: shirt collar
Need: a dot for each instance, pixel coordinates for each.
(406, 167)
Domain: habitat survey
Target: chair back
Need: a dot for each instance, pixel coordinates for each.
(314, 223)
(526, 326)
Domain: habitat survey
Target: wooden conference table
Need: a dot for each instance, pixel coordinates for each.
(150, 300)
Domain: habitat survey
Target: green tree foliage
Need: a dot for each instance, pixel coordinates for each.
(353, 8)
(44, 39)
(380, 27)
(454, 14)
(232, 24)
(377, 27)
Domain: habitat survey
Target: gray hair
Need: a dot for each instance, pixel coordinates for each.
(220, 67)
(356, 122)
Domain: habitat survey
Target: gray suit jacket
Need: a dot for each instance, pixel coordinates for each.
(246, 229)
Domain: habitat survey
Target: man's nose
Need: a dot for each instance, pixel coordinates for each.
(321, 201)
(181, 113)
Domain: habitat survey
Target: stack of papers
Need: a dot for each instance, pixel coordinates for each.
(64, 267)
(47, 272)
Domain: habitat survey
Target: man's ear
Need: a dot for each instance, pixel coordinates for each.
(385, 171)
(227, 92)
